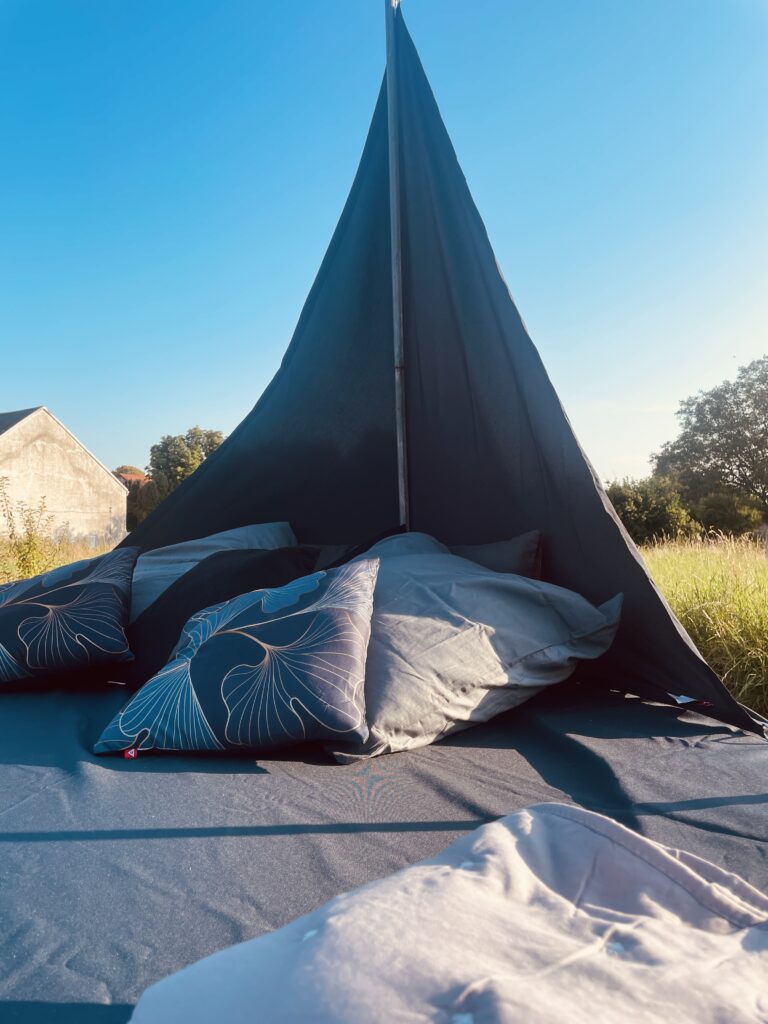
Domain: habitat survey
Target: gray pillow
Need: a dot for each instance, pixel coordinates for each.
(405, 544)
(520, 555)
(157, 570)
(454, 643)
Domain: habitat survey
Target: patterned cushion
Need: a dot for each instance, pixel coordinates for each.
(267, 669)
(66, 619)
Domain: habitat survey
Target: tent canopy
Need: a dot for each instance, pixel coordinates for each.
(490, 450)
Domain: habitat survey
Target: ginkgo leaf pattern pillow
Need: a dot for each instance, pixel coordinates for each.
(67, 619)
(267, 669)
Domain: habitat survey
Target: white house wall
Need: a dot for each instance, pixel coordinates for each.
(39, 459)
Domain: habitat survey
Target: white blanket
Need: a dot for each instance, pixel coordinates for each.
(553, 914)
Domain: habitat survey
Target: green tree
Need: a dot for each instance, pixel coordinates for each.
(137, 507)
(723, 441)
(175, 457)
(143, 498)
(651, 509)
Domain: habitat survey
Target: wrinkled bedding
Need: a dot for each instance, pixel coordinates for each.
(551, 914)
(116, 873)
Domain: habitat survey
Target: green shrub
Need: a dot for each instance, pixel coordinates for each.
(728, 512)
(651, 509)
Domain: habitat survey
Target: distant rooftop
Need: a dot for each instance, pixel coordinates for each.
(10, 419)
(132, 478)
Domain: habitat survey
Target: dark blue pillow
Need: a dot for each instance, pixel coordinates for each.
(267, 669)
(70, 618)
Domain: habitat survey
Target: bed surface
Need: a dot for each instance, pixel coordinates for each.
(115, 873)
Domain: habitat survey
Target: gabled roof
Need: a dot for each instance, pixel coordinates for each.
(10, 419)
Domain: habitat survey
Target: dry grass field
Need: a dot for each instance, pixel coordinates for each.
(18, 561)
(718, 588)
(29, 545)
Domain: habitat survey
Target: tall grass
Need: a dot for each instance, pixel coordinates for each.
(718, 588)
(29, 543)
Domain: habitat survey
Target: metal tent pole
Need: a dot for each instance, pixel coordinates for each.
(390, 6)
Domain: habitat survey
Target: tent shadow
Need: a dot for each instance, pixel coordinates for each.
(558, 758)
(449, 826)
(226, 763)
(75, 719)
(551, 731)
(584, 711)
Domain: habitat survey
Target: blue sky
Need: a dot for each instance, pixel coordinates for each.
(171, 173)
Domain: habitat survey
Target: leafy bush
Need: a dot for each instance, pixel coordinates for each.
(718, 588)
(27, 548)
(728, 512)
(29, 545)
(651, 509)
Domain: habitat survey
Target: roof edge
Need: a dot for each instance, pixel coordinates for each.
(21, 414)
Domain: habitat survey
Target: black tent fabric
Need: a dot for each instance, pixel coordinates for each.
(491, 453)
(318, 449)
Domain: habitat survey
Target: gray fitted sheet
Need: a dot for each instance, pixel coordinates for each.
(115, 872)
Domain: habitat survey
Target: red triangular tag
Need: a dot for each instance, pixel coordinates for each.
(131, 753)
